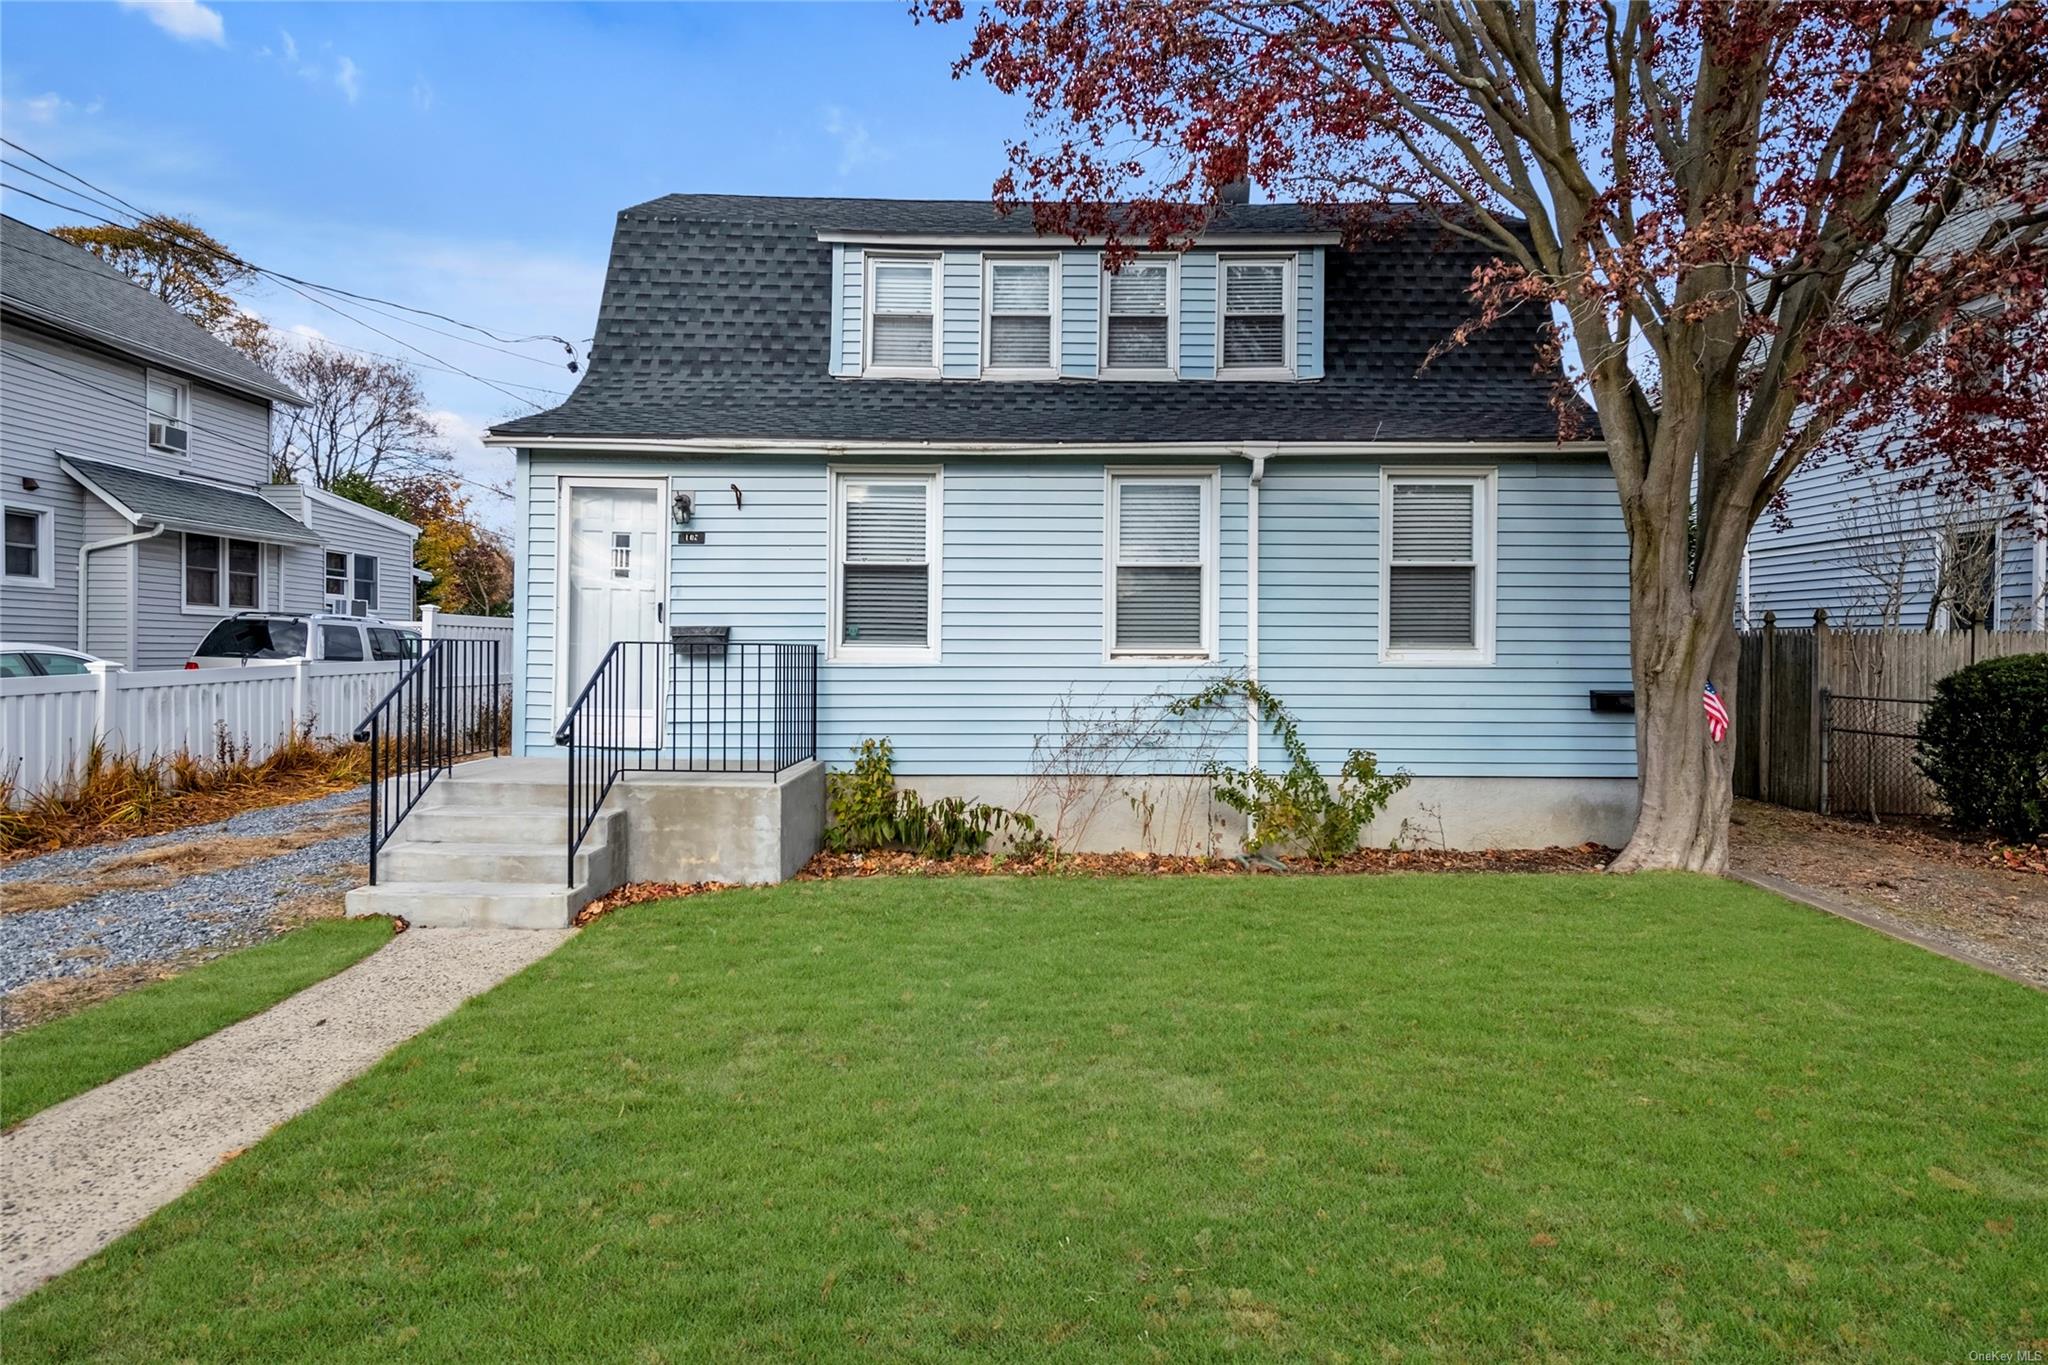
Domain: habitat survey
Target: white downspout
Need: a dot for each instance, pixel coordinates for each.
(85, 554)
(1258, 454)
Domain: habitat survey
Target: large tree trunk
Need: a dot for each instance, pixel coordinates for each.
(1681, 633)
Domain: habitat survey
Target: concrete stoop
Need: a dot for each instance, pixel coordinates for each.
(487, 844)
(489, 849)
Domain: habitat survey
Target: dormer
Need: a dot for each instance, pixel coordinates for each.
(1242, 305)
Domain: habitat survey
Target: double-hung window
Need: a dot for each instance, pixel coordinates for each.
(1137, 320)
(1256, 316)
(222, 574)
(337, 573)
(366, 580)
(28, 548)
(1436, 567)
(1021, 317)
(885, 565)
(1162, 565)
(903, 315)
(170, 413)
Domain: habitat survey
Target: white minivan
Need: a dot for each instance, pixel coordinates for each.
(258, 637)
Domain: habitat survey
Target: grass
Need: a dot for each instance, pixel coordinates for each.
(48, 1064)
(1413, 1117)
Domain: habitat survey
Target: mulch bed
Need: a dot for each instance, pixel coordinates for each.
(827, 867)
(1581, 858)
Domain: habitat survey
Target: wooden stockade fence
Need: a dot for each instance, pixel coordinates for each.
(1825, 719)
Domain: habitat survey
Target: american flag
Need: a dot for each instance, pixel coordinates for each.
(1717, 714)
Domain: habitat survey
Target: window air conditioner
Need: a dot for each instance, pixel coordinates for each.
(165, 436)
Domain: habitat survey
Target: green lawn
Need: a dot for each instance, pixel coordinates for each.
(41, 1066)
(1463, 1118)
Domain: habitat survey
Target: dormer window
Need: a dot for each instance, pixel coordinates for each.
(903, 320)
(1257, 319)
(1018, 327)
(1138, 321)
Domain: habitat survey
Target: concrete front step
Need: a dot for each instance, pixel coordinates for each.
(472, 905)
(536, 829)
(417, 860)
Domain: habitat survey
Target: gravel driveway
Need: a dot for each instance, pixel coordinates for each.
(154, 898)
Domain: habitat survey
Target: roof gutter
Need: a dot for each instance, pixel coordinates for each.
(1021, 241)
(710, 445)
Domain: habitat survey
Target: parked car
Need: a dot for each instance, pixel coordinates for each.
(18, 660)
(254, 637)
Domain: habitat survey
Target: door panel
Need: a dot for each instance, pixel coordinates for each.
(617, 579)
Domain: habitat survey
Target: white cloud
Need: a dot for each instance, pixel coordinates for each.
(291, 45)
(183, 19)
(422, 94)
(348, 78)
(856, 147)
(44, 109)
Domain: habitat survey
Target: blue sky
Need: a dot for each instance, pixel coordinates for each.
(469, 157)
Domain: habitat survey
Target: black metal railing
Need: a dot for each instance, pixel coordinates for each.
(449, 705)
(665, 706)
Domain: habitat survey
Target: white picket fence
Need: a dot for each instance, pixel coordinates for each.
(48, 725)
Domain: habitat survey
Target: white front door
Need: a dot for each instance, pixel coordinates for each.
(615, 576)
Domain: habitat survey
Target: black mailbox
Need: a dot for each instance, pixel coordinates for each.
(1612, 703)
(699, 639)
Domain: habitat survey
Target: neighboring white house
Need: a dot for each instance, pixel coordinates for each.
(134, 459)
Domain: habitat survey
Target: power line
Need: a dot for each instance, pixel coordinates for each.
(320, 338)
(233, 259)
(143, 405)
(310, 298)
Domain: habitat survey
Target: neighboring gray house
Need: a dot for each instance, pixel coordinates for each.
(134, 454)
(1873, 556)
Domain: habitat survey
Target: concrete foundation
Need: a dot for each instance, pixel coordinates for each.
(1177, 814)
(721, 827)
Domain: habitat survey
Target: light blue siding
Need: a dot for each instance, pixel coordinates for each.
(1022, 574)
(1198, 315)
(852, 282)
(835, 356)
(1308, 315)
(1080, 312)
(960, 315)
(1561, 628)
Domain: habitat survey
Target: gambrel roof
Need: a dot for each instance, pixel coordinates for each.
(716, 322)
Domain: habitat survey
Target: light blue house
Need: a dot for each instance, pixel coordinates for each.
(1015, 499)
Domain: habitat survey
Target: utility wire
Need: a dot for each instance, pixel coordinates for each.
(314, 299)
(233, 259)
(131, 400)
(322, 339)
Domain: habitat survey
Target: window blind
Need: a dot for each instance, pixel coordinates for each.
(1254, 315)
(902, 314)
(1159, 565)
(885, 576)
(1020, 315)
(1138, 311)
(1432, 574)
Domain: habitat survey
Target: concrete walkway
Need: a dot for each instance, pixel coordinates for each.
(79, 1174)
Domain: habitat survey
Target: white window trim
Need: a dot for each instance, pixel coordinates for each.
(347, 588)
(1485, 578)
(837, 476)
(1290, 302)
(1211, 479)
(219, 606)
(183, 387)
(665, 575)
(1103, 369)
(45, 575)
(376, 578)
(867, 318)
(989, 262)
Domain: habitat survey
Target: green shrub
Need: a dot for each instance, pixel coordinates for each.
(1300, 808)
(869, 812)
(1984, 745)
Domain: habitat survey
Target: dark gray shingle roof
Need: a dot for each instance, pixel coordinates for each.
(189, 505)
(70, 290)
(715, 323)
